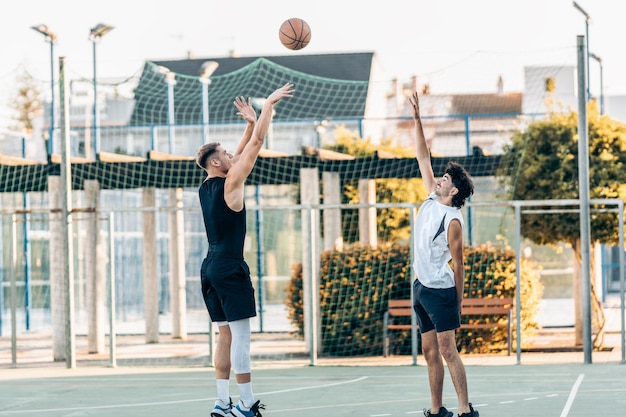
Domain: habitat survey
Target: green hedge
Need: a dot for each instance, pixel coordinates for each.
(356, 285)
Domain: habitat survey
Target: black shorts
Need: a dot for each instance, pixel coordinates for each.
(436, 308)
(226, 288)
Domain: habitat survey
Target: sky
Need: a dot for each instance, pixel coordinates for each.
(456, 46)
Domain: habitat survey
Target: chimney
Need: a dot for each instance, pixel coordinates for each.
(233, 52)
(414, 83)
(500, 85)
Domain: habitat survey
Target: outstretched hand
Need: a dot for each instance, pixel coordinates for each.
(285, 91)
(245, 109)
(415, 103)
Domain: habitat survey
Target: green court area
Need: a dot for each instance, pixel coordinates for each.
(305, 391)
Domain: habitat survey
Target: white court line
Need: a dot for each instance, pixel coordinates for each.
(572, 395)
(313, 387)
(102, 407)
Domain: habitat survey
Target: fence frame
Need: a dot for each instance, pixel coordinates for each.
(519, 207)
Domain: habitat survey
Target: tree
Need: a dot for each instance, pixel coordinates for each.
(393, 224)
(541, 163)
(27, 101)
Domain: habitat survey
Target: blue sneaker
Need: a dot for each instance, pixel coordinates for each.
(222, 409)
(241, 411)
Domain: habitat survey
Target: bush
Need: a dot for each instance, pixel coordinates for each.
(490, 272)
(357, 284)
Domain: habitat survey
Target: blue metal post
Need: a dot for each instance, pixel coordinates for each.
(26, 250)
(171, 120)
(1, 278)
(588, 69)
(96, 139)
(52, 127)
(95, 34)
(205, 109)
(587, 17)
(468, 151)
(601, 89)
(468, 148)
(597, 58)
(259, 252)
(153, 138)
(260, 255)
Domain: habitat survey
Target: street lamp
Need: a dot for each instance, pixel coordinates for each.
(208, 68)
(587, 17)
(597, 58)
(96, 33)
(257, 103)
(320, 129)
(51, 38)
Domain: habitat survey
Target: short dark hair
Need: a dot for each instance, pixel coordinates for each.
(462, 181)
(205, 152)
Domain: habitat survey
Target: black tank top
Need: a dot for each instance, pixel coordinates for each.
(225, 228)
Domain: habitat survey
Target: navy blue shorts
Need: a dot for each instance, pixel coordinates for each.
(226, 288)
(436, 308)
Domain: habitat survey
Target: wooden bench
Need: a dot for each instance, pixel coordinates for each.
(475, 308)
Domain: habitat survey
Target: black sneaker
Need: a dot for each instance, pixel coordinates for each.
(443, 412)
(472, 412)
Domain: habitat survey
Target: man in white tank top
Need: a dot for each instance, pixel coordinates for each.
(438, 287)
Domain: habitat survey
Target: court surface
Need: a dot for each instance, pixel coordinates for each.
(305, 391)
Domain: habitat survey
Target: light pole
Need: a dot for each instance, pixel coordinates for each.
(96, 33)
(208, 68)
(51, 38)
(597, 58)
(170, 80)
(587, 17)
(257, 103)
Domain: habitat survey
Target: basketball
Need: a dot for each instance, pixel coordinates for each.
(294, 33)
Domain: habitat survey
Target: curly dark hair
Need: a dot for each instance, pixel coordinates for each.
(462, 181)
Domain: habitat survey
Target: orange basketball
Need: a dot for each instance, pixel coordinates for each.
(294, 33)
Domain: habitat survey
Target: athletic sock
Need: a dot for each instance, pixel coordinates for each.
(222, 390)
(245, 394)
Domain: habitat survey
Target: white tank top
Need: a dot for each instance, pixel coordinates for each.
(431, 255)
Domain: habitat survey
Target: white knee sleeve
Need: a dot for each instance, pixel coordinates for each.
(240, 347)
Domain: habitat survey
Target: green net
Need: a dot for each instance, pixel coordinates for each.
(315, 98)
(356, 136)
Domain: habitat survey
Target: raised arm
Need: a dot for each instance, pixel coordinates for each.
(233, 188)
(422, 153)
(247, 113)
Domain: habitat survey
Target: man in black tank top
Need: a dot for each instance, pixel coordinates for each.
(226, 286)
